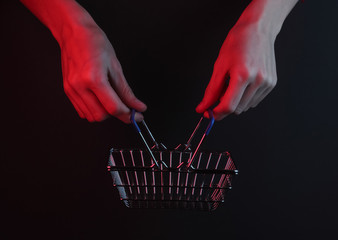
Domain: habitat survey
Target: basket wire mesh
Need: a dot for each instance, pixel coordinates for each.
(179, 178)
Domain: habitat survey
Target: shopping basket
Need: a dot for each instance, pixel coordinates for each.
(157, 177)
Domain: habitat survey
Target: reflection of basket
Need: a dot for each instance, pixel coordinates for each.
(168, 178)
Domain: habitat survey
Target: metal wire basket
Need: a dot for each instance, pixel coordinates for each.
(179, 178)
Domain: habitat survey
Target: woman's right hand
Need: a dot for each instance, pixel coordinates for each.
(93, 78)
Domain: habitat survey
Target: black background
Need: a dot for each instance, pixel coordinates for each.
(53, 173)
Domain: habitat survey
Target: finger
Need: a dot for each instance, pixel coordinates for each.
(258, 93)
(215, 88)
(231, 98)
(93, 104)
(248, 94)
(123, 90)
(111, 101)
(261, 97)
(76, 106)
(77, 102)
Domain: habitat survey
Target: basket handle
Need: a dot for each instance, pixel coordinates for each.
(206, 133)
(156, 145)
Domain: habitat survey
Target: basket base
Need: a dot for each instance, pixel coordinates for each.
(172, 204)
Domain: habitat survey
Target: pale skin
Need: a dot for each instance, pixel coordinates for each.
(244, 72)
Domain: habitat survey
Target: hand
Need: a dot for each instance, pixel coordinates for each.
(93, 77)
(244, 72)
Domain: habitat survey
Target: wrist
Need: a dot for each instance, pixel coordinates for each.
(267, 16)
(64, 18)
(75, 29)
(76, 24)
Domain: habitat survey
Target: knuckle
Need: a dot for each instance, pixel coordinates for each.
(88, 81)
(273, 83)
(75, 83)
(243, 74)
(91, 80)
(262, 79)
(96, 84)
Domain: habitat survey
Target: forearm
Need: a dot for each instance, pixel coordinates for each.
(268, 15)
(62, 17)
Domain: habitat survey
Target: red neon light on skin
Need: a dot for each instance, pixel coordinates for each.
(92, 75)
(245, 70)
(95, 83)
